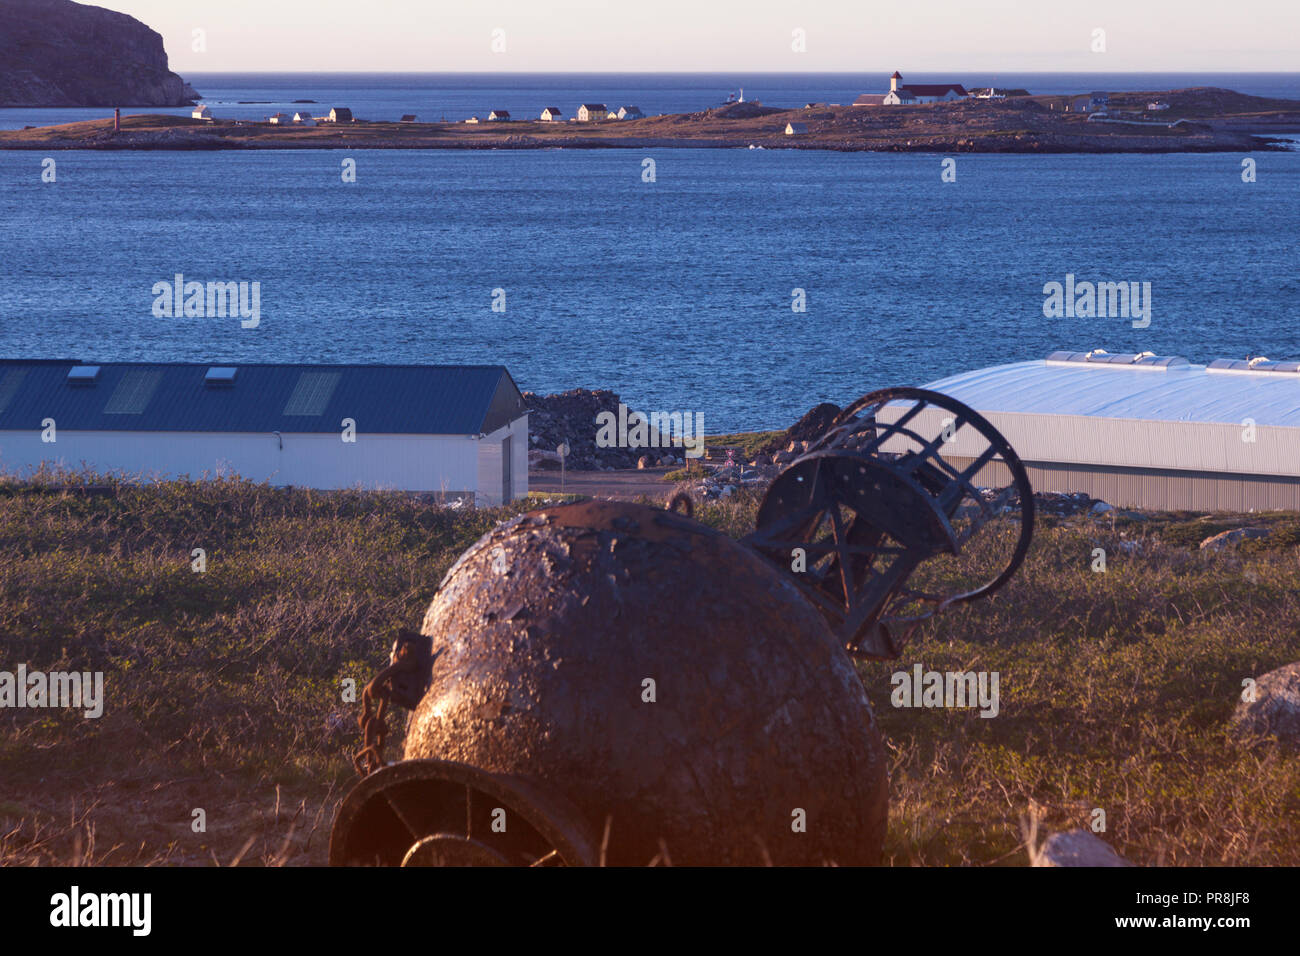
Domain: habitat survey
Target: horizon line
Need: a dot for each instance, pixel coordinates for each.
(716, 72)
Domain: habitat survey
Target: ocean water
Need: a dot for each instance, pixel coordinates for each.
(457, 96)
(676, 293)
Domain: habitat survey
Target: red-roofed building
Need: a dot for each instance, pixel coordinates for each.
(899, 94)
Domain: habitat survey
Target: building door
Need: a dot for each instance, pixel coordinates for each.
(507, 485)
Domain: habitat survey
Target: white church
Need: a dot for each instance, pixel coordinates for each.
(906, 95)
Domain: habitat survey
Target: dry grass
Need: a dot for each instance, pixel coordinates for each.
(223, 688)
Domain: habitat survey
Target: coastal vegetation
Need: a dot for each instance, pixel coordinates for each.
(224, 687)
(1194, 120)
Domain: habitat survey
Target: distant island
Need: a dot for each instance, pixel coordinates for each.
(60, 53)
(1202, 119)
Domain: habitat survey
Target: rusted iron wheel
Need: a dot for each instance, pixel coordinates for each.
(444, 813)
(875, 498)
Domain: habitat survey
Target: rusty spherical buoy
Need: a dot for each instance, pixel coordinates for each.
(631, 686)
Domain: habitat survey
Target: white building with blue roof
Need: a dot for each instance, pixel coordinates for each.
(456, 430)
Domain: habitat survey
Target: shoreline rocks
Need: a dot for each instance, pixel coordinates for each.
(571, 417)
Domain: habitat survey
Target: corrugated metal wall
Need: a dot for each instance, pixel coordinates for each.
(1131, 463)
(1156, 489)
(1127, 442)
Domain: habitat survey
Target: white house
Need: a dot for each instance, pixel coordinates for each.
(280, 119)
(454, 429)
(340, 114)
(900, 95)
(552, 114)
(590, 112)
(303, 119)
(629, 112)
(796, 129)
(201, 112)
(499, 116)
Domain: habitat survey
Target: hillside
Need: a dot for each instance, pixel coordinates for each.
(222, 688)
(60, 53)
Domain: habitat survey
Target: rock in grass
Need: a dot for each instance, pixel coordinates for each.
(1077, 848)
(1224, 539)
(1276, 707)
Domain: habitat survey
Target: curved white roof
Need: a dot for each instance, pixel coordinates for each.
(1180, 393)
(1161, 413)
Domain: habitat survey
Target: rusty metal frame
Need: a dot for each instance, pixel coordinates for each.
(911, 498)
(386, 817)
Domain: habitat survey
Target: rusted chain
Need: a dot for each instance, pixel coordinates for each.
(403, 681)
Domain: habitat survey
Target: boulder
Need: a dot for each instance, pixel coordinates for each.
(1224, 539)
(1276, 708)
(809, 428)
(1076, 848)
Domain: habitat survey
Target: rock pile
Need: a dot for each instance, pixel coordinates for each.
(570, 417)
(722, 481)
(815, 423)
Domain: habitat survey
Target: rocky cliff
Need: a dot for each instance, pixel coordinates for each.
(60, 53)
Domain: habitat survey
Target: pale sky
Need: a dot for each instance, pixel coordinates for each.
(921, 36)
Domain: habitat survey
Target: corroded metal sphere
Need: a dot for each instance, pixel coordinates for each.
(662, 679)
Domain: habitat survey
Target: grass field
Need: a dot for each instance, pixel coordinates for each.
(224, 687)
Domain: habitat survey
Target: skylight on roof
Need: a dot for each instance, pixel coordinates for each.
(133, 392)
(9, 385)
(221, 375)
(83, 374)
(1259, 366)
(1146, 360)
(312, 393)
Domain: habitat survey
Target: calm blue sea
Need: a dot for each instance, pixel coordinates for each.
(457, 96)
(675, 293)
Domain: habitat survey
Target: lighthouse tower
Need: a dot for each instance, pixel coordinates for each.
(893, 81)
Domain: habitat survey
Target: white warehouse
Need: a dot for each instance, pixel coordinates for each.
(1143, 431)
(459, 430)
